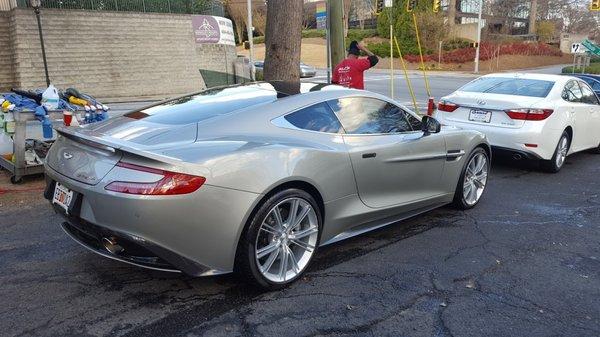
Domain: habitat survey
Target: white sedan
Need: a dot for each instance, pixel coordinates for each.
(533, 116)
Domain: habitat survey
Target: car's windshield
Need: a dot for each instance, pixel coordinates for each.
(207, 104)
(509, 86)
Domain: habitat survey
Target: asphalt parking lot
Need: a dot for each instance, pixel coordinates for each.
(525, 262)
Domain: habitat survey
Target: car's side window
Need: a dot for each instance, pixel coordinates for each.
(572, 92)
(318, 117)
(596, 86)
(588, 95)
(414, 122)
(363, 115)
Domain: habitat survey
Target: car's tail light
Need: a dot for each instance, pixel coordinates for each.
(529, 114)
(171, 183)
(447, 106)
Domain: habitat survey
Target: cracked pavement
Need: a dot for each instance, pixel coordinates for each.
(524, 262)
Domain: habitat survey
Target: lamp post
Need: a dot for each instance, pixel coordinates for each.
(36, 4)
(479, 27)
(249, 27)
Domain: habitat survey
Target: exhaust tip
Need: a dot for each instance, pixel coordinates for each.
(110, 244)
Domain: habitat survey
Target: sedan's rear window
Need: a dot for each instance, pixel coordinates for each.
(509, 86)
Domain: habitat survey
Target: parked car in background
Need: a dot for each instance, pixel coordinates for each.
(305, 69)
(255, 177)
(533, 116)
(592, 80)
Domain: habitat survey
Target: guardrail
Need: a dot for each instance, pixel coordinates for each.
(210, 7)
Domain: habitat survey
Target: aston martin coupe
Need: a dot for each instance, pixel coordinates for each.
(254, 178)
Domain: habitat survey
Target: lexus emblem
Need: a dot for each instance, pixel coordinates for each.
(67, 155)
(481, 102)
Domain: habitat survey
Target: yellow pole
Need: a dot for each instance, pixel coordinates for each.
(410, 89)
(421, 55)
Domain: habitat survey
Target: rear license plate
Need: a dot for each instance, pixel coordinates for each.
(62, 197)
(480, 116)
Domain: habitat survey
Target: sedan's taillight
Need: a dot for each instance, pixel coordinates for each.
(447, 106)
(529, 114)
(171, 183)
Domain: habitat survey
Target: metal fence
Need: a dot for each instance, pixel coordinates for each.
(209, 7)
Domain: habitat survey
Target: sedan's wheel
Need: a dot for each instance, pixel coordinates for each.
(473, 180)
(596, 150)
(281, 239)
(560, 155)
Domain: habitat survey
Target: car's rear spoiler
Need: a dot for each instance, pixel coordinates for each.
(111, 144)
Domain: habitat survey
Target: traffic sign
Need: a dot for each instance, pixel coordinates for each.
(577, 48)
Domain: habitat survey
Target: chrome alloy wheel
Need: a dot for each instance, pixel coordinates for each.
(286, 240)
(475, 178)
(561, 151)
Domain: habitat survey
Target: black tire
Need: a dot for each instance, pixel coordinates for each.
(459, 201)
(596, 150)
(551, 166)
(246, 265)
(15, 181)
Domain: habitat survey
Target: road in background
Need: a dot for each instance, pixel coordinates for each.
(377, 80)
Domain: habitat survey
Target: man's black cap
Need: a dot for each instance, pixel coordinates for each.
(353, 48)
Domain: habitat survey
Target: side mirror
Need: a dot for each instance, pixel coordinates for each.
(430, 125)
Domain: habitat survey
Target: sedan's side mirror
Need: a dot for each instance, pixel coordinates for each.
(430, 125)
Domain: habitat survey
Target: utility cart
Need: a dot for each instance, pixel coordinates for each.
(19, 167)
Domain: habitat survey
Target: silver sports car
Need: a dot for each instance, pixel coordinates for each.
(254, 178)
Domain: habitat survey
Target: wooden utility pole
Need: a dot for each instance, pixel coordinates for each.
(336, 40)
(451, 12)
(532, 17)
(283, 39)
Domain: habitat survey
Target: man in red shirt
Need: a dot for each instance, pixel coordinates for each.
(349, 72)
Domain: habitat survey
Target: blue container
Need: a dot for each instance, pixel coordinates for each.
(47, 127)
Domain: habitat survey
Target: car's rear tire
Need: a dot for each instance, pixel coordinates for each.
(473, 180)
(275, 250)
(560, 155)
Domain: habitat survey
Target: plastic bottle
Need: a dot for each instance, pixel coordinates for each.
(50, 98)
(47, 127)
(9, 123)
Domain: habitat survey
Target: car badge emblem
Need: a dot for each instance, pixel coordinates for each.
(67, 155)
(480, 102)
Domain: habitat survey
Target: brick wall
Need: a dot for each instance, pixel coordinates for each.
(114, 54)
(6, 52)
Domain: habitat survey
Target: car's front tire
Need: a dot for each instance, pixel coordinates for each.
(473, 180)
(280, 240)
(560, 155)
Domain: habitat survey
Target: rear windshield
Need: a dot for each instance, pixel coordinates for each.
(205, 105)
(509, 86)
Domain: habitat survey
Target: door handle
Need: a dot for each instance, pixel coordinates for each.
(369, 155)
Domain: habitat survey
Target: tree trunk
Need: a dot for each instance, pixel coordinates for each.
(283, 39)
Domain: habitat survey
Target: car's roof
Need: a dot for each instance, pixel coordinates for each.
(531, 76)
(254, 96)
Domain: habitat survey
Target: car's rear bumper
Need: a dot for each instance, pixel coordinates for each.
(533, 140)
(196, 233)
(515, 154)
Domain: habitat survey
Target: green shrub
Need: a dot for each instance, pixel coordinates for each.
(593, 68)
(313, 33)
(456, 43)
(360, 34)
(258, 40)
